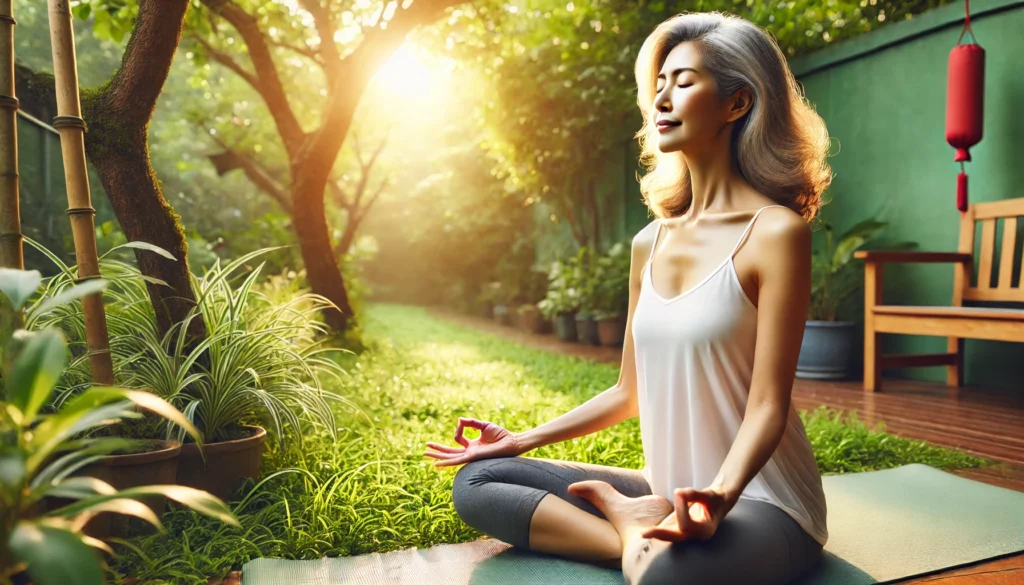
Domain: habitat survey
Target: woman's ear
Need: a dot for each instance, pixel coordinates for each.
(741, 101)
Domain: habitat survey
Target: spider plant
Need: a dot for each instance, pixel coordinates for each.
(40, 452)
(260, 358)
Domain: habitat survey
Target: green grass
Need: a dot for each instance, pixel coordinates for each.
(373, 491)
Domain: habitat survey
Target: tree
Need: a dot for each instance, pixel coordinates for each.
(273, 35)
(118, 114)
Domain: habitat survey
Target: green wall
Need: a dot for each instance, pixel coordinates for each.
(883, 98)
(882, 95)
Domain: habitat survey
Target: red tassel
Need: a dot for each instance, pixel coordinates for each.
(961, 192)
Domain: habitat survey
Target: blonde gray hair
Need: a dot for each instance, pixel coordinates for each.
(780, 145)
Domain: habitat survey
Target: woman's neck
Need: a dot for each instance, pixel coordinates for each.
(714, 179)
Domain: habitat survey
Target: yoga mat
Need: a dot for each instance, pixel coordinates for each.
(883, 526)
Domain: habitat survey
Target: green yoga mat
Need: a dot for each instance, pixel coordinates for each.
(883, 526)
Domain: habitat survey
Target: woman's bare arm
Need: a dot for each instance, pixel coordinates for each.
(783, 243)
(616, 404)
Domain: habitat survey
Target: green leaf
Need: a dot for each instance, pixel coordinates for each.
(54, 556)
(12, 468)
(853, 239)
(143, 246)
(198, 500)
(156, 405)
(77, 488)
(36, 370)
(82, 413)
(76, 292)
(83, 11)
(18, 285)
(125, 507)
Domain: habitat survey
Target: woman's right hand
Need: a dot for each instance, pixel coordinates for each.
(494, 441)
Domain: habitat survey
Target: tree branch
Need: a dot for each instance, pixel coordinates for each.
(304, 51)
(269, 83)
(135, 87)
(378, 45)
(228, 61)
(232, 159)
(325, 29)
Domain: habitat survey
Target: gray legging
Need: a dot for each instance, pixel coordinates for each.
(756, 544)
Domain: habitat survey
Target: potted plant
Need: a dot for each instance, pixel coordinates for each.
(562, 300)
(582, 267)
(829, 342)
(42, 455)
(260, 366)
(533, 291)
(611, 294)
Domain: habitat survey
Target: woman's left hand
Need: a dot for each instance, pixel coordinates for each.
(696, 517)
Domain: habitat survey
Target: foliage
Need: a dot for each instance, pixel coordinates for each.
(834, 275)
(611, 282)
(39, 453)
(570, 286)
(372, 490)
(562, 76)
(260, 359)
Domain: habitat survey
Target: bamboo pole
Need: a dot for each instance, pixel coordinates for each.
(11, 252)
(11, 255)
(71, 126)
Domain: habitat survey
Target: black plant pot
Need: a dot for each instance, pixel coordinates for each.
(565, 327)
(586, 330)
(827, 351)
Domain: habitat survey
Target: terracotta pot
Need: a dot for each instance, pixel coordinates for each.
(612, 331)
(228, 464)
(158, 466)
(530, 319)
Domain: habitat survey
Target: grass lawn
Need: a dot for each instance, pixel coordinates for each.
(373, 491)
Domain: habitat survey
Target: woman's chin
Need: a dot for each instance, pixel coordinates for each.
(666, 144)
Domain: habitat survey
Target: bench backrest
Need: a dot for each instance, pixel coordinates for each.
(1001, 261)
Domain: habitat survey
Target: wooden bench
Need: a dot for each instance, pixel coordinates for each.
(955, 322)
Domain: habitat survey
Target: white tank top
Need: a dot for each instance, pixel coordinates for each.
(694, 359)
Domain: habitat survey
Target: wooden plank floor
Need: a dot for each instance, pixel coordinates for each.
(983, 422)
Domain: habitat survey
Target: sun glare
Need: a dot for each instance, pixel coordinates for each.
(408, 70)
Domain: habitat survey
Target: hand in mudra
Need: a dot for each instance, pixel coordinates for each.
(696, 517)
(494, 441)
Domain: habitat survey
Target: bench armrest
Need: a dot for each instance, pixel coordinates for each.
(883, 256)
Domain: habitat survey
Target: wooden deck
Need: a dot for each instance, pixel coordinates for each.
(983, 422)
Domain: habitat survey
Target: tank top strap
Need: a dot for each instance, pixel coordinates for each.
(657, 234)
(750, 225)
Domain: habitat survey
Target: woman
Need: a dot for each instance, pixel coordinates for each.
(719, 290)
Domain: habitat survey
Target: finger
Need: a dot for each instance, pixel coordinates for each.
(458, 433)
(468, 422)
(444, 448)
(451, 462)
(437, 455)
(664, 534)
(682, 510)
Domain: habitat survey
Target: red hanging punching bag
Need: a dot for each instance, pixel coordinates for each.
(964, 102)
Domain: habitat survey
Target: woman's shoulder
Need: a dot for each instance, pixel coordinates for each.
(643, 241)
(780, 229)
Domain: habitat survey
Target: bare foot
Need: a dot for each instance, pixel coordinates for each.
(629, 516)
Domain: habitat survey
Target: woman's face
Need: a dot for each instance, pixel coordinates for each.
(687, 108)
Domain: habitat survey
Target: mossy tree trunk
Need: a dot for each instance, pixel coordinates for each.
(117, 143)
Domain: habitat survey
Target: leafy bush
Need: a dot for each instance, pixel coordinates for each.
(260, 359)
(569, 286)
(39, 452)
(611, 282)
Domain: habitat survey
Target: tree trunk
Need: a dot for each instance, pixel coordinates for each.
(310, 224)
(142, 212)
